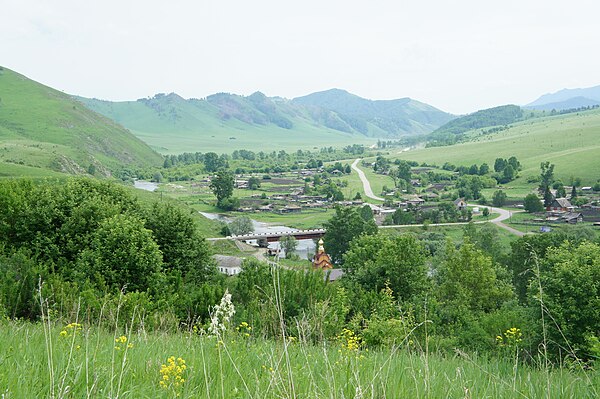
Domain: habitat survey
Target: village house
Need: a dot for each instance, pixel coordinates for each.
(228, 265)
(291, 209)
(564, 217)
(414, 200)
(460, 204)
(560, 204)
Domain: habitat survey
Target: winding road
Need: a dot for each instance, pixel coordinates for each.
(503, 213)
(365, 182)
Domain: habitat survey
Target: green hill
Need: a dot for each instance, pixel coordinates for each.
(570, 141)
(394, 117)
(226, 122)
(44, 131)
(452, 131)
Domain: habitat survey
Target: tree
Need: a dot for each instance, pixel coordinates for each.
(342, 228)
(122, 254)
(183, 248)
(499, 198)
(532, 203)
(241, 225)
(484, 169)
(573, 192)
(548, 198)
(486, 212)
(499, 165)
(157, 177)
(211, 162)
(222, 185)
(468, 282)
(374, 261)
(571, 295)
(546, 176)
(509, 174)
(253, 183)
(516, 165)
(288, 243)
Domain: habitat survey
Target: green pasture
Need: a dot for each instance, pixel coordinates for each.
(571, 142)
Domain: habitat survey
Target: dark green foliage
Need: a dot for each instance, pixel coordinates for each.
(522, 260)
(532, 203)
(260, 286)
(88, 236)
(499, 198)
(399, 262)
(122, 256)
(222, 186)
(19, 280)
(182, 247)
(570, 279)
(343, 227)
(469, 283)
(546, 176)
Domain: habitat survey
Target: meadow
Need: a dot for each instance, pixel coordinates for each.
(569, 141)
(67, 360)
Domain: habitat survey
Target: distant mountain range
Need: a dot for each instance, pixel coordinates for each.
(567, 99)
(225, 114)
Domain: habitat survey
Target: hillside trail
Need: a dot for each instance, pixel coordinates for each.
(365, 182)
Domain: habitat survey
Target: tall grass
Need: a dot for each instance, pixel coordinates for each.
(37, 361)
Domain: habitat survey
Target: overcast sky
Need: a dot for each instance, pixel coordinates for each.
(459, 56)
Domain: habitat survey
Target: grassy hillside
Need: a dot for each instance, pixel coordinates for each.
(43, 130)
(571, 142)
(394, 117)
(226, 122)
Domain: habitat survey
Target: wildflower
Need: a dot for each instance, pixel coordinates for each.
(221, 315)
(350, 342)
(122, 340)
(244, 329)
(510, 338)
(71, 330)
(172, 374)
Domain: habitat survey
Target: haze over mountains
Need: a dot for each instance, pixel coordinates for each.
(567, 99)
(225, 113)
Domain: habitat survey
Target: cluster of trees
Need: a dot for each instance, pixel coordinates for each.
(505, 170)
(446, 212)
(94, 239)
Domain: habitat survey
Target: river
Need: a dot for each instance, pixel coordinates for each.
(305, 248)
(145, 185)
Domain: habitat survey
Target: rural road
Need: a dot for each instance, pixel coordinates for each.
(365, 182)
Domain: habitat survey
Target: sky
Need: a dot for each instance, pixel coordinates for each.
(459, 56)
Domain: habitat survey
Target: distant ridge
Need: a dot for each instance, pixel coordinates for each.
(165, 120)
(567, 99)
(400, 116)
(43, 129)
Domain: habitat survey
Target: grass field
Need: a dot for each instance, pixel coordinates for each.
(76, 362)
(46, 129)
(571, 142)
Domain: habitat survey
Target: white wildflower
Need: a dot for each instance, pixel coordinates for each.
(221, 315)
